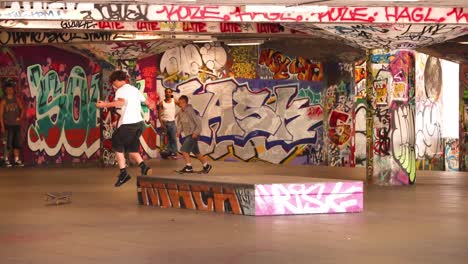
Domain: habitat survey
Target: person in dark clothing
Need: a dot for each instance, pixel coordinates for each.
(11, 113)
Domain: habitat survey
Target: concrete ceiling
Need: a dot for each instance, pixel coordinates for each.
(336, 42)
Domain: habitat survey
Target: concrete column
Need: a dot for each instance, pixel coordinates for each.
(390, 117)
(463, 117)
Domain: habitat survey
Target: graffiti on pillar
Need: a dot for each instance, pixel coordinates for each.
(109, 119)
(146, 75)
(464, 116)
(393, 123)
(339, 107)
(359, 117)
(452, 155)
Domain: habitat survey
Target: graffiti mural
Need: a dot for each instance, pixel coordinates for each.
(393, 113)
(60, 91)
(245, 115)
(270, 124)
(207, 62)
(244, 62)
(277, 66)
(429, 142)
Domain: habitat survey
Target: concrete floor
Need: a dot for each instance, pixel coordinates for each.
(426, 223)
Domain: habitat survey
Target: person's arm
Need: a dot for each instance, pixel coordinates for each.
(198, 123)
(116, 103)
(119, 101)
(160, 115)
(178, 125)
(2, 109)
(21, 107)
(147, 101)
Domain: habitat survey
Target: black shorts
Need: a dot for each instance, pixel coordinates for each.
(127, 137)
(13, 137)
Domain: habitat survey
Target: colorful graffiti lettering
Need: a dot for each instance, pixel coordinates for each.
(195, 197)
(283, 68)
(280, 199)
(65, 114)
(181, 63)
(234, 117)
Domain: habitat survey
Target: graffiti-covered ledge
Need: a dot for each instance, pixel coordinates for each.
(256, 195)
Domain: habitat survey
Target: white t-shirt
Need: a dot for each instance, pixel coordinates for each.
(131, 111)
(169, 110)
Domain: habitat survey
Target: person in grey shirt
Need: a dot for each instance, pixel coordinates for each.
(190, 125)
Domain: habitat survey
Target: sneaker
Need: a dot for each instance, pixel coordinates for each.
(187, 169)
(7, 164)
(18, 163)
(173, 155)
(145, 170)
(123, 178)
(207, 168)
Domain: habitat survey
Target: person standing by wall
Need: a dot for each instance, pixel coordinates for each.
(189, 123)
(11, 113)
(130, 125)
(167, 119)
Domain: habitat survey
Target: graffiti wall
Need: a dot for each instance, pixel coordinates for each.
(59, 91)
(261, 104)
(437, 119)
(429, 142)
(391, 90)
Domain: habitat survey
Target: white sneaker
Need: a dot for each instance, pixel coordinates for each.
(18, 163)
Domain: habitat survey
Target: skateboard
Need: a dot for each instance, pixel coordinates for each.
(58, 197)
(198, 172)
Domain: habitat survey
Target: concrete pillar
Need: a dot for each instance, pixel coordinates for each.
(463, 117)
(390, 117)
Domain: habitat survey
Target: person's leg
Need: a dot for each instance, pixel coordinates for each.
(134, 146)
(185, 150)
(9, 145)
(206, 167)
(172, 135)
(17, 144)
(118, 145)
(145, 169)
